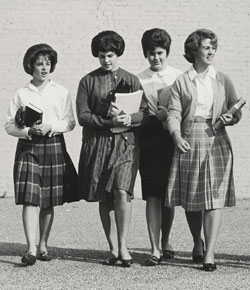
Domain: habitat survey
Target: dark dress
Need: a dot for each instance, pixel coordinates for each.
(108, 161)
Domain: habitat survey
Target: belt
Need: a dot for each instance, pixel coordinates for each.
(202, 120)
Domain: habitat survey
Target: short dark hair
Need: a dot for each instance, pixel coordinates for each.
(32, 54)
(194, 40)
(107, 41)
(153, 38)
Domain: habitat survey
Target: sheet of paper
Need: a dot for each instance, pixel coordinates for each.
(129, 103)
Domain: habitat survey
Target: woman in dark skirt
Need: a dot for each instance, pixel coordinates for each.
(201, 176)
(109, 161)
(156, 144)
(44, 175)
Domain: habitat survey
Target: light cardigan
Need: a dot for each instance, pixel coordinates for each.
(183, 101)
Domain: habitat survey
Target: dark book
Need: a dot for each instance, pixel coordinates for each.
(32, 115)
(236, 107)
(123, 87)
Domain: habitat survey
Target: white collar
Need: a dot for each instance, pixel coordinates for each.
(164, 72)
(192, 73)
(34, 88)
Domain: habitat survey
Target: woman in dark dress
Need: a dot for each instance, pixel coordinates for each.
(109, 161)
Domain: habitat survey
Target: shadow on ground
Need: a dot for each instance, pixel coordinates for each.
(139, 255)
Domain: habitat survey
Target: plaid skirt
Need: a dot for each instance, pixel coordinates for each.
(156, 151)
(107, 162)
(44, 174)
(202, 178)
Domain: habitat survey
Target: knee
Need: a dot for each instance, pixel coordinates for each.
(122, 196)
(47, 210)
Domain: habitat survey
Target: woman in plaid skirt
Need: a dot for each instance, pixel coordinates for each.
(109, 161)
(44, 175)
(201, 176)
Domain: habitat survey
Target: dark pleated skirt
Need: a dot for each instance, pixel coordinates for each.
(202, 179)
(156, 151)
(44, 174)
(107, 162)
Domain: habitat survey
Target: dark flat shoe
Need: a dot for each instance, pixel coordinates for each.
(28, 259)
(168, 254)
(44, 256)
(199, 258)
(209, 267)
(111, 261)
(126, 263)
(153, 261)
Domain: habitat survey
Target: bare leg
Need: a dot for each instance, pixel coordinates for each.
(46, 218)
(107, 215)
(123, 210)
(212, 222)
(30, 222)
(153, 216)
(167, 221)
(194, 220)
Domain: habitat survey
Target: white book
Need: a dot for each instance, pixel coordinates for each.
(129, 103)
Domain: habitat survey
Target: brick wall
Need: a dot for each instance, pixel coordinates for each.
(69, 26)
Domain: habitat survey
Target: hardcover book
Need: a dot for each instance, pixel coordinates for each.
(236, 107)
(32, 115)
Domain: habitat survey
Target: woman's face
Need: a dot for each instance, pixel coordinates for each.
(205, 53)
(108, 60)
(157, 58)
(41, 68)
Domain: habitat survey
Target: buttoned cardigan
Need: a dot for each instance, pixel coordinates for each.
(183, 101)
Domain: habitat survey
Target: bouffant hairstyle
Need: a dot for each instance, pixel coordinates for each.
(33, 53)
(153, 38)
(194, 40)
(107, 41)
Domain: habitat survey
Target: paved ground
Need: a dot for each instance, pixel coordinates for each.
(78, 246)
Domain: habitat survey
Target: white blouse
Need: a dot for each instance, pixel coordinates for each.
(55, 102)
(153, 83)
(204, 91)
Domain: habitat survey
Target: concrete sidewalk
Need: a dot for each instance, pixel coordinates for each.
(78, 246)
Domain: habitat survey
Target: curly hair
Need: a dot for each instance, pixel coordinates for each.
(32, 54)
(107, 41)
(153, 38)
(194, 40)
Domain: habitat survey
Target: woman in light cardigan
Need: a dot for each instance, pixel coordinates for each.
(201, 176)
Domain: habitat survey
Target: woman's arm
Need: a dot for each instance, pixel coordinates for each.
(10, 125)
(174, 114)
(232, 98)
(85, 117)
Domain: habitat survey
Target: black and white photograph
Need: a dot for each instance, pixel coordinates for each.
(125, 157)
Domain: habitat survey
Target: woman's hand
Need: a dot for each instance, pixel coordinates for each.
(228, 119)
(40, 129)
(181, 144)
(113, 110)
(122, 120)
(161, 113)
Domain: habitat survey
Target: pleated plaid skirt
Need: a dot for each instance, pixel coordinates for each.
(107, 162)
(202, 179)
(44, 174)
